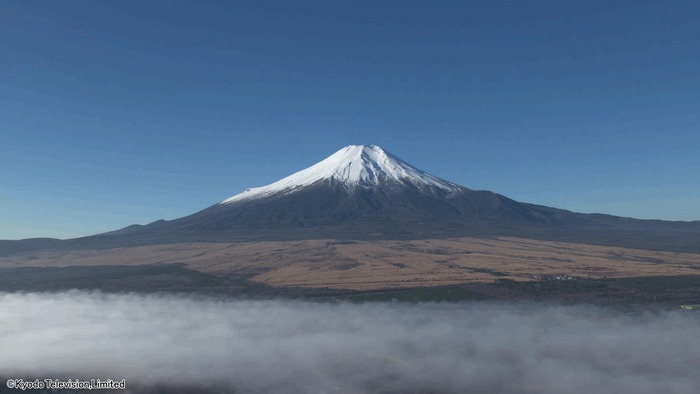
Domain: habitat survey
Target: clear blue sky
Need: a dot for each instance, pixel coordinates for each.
(122, 112)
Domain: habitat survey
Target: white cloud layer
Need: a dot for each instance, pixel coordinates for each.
(301, 347)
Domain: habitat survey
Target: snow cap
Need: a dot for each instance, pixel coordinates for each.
(353, 166)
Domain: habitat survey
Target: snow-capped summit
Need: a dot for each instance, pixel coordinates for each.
(353, 166)
(365, 193)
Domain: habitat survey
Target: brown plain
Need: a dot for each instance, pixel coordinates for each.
(369, 265)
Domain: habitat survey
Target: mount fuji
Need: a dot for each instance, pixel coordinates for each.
(363, 192)
(360, 191)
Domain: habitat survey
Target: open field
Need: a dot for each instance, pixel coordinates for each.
(373, 265)
(646, 292)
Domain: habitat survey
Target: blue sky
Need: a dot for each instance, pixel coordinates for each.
(122, 112)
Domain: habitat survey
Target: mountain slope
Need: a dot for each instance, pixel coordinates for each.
(364, 192)
(360, 191)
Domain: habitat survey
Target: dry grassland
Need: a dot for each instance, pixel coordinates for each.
(364, 265)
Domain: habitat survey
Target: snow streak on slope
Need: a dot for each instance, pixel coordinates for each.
(353, 166)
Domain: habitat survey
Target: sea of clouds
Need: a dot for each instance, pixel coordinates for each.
(305, 347)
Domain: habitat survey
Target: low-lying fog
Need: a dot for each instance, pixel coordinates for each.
(301, 347)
